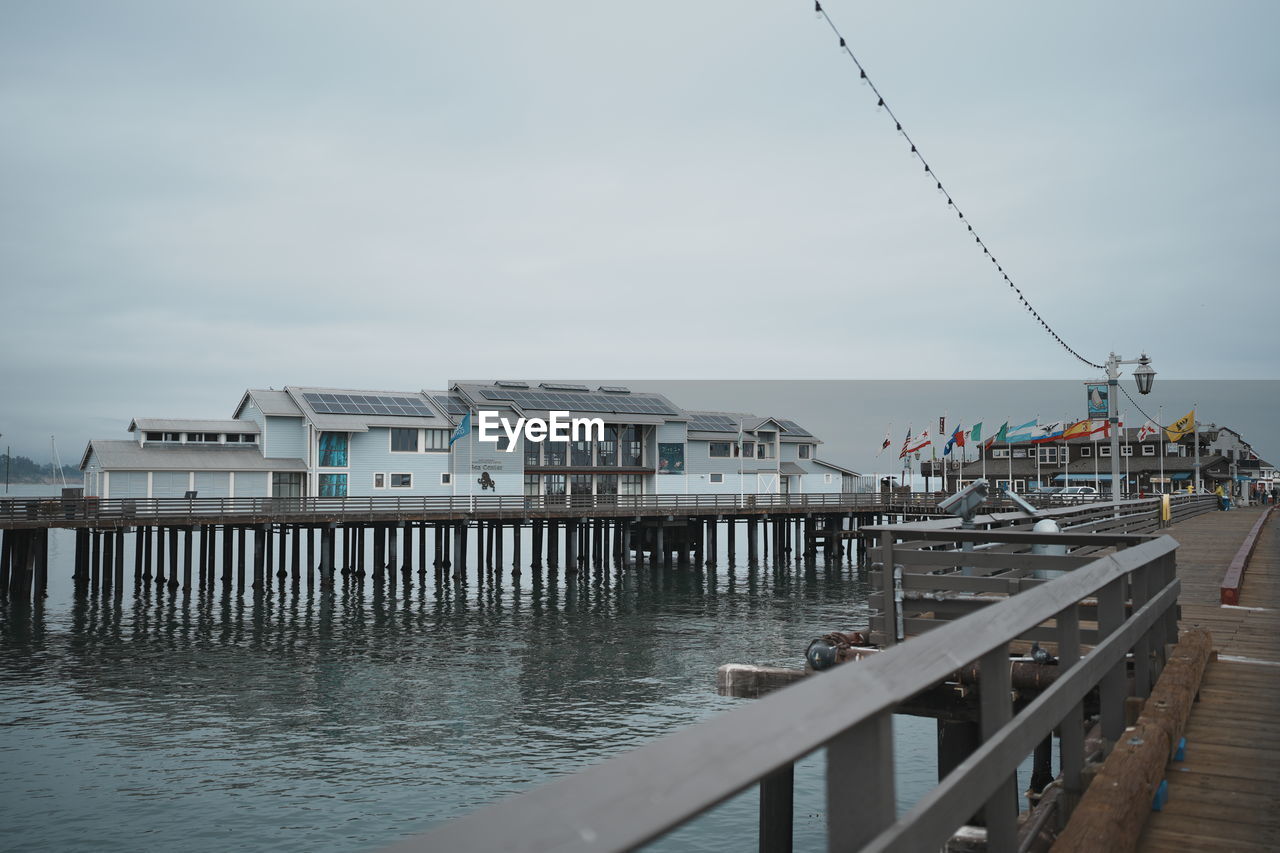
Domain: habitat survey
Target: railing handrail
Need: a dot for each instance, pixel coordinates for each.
(635, 797)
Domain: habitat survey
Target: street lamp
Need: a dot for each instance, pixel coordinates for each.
(1143, 375)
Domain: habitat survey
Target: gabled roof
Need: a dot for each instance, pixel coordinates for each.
(270, 402)
(180, 425)
(824, 463)
(361, 422)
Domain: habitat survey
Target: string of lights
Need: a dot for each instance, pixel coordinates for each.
(915, 151)
(1139, 408)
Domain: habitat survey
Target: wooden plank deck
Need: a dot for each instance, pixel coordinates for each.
(1226, 794)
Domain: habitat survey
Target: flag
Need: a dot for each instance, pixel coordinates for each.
(957, 438)
(1184, 425)
(912, 445)
(884, 445)
(1079, 429)
(1049, 432)
(975, 434)
(1148, 429)
(942, 424)
(1002, 435)
(464, 428)
(1023, 432)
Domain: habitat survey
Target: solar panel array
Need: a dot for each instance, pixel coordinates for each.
(453, 405)
(793, 427)
(367, 404)
(546, 399)
(713, 423)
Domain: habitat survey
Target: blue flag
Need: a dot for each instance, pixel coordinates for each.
(464, 427)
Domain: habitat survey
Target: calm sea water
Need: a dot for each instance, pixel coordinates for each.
(349, 719)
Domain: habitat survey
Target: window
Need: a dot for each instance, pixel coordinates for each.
(286, 485)
(1126, 450)
(1048, 454)
(805, 451)
(1173, 450)
(1104, 450)
(233, 438)
(721, 449)
(1148, 450)
(532, 484)
(404, 440)
(828, 478)
(606, 484)
(333, 451)
(764, 450)
(532, 455)
(632, 447)
(1000, 453)
(581, 452)
(717, 478)
(445, 478)
(632, 484)
(607, 449)
(402, 481)
(1019, 453)
(435, 439)
(155, 436)
(379, 481)
(1085, 451)
(333, 485)
(241, 438)
(172, 436)
(748, 449)
(554, 487)
(202, 436)
(502, 443)
(555, 453)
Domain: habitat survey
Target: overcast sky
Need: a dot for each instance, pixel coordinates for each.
(201, 198)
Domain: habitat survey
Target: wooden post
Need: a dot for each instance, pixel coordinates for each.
(537, 544)
(295, 554)
(241, 533)
(282, 558)
(119, 578)
(497, 547)
(996, 709)
(188, 557)
(406, 532)
(517, 534)
(777, 791)
(259, 556)
(108, 559)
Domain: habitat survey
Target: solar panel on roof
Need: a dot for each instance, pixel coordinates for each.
(364, 404)
(452, 405)
(535, 399)
(794, 428)
(713, 423)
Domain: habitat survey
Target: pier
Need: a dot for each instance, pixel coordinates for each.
(1109, 612)
(246, 544)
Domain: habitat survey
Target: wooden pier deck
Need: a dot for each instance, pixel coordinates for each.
(1226, 793)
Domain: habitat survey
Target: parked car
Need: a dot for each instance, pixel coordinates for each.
(1078, 491)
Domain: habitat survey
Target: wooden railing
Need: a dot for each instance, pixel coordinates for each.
(52, 510)
(638, 796)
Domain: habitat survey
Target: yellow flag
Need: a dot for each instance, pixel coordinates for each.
(1184, 425)
(1079, 429)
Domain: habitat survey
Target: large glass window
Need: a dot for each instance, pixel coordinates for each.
(402, 481)
(286, 485)
(632, 447)
(532, 485)
(632, 484)
(806, 451)
(553, 488)
(333, 485)
(555, 453)
(748, 449)
(581, 486)
(581, 452)
(404, 440)
(721, 449)
(606, 484)
(333, 452)
(607, 449)
(436, 439)
(532, 455)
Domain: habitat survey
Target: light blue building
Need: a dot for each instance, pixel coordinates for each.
(334, 442)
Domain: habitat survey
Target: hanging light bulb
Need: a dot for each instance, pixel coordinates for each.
(842, 46)
(817, 10)
(880, 105)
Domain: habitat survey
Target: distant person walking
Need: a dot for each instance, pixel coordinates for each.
(1222, 498)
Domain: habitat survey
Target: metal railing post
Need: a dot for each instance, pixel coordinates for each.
(1139, 594)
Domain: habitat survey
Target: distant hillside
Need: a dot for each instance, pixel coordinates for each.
(20, 469)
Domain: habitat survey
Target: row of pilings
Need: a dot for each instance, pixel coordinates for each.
(248, 557)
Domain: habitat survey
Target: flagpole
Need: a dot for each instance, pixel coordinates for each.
(1195, 424)
(1160, 436)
